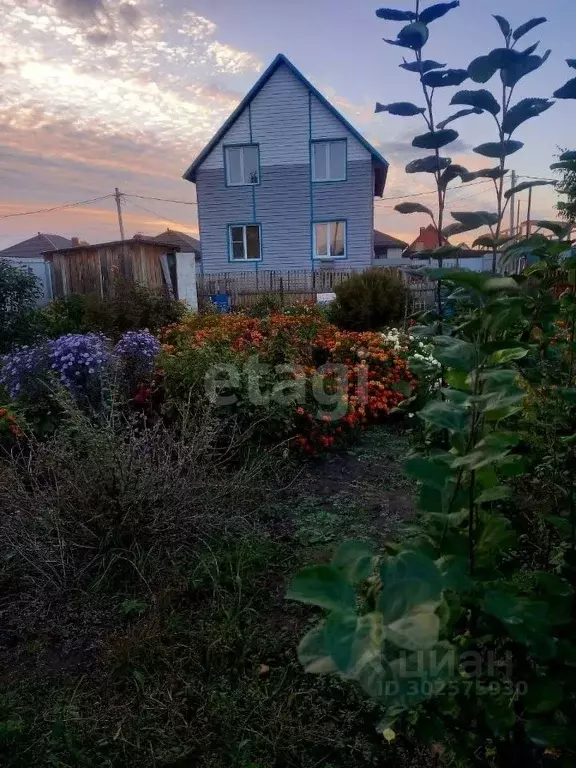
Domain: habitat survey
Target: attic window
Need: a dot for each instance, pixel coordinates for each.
(242, 165)
(329, 160)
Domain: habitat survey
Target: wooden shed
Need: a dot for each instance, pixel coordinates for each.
(91, 268)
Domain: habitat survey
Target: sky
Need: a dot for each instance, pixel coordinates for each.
(98, 94)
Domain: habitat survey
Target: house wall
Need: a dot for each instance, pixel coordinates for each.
(283, 118)
(391, 253)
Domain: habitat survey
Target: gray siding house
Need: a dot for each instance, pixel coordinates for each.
(286, 183)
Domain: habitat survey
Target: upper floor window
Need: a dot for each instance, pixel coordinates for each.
(242, 165)
(330, 240)
(329, 160)
(244, 242)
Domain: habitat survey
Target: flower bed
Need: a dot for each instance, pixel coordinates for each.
(330, 381)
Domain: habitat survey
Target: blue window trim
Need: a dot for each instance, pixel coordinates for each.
(323, 141)
(237, 145)
(229, 241)
(330, 258)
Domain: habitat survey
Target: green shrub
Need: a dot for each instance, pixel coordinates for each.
(19, 292)
(65, 315)
(265, 305)
(132, 306)
(369, 301)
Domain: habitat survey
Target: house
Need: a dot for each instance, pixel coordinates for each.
(387, 247)
(427, 240)
(286, 183)
(34, 247)
(185, 243)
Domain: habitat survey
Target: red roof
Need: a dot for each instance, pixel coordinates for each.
(426, 240)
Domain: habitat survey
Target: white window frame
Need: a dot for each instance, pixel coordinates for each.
(327, 143)
(328, 224)
(244, 241)
(241, 147)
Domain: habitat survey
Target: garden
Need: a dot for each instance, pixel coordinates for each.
(304, 536)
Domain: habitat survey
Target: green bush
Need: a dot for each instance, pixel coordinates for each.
(265, 305)
(132, 306)
(369, 301)
(19, 292)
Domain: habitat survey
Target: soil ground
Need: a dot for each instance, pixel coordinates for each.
(204, 673)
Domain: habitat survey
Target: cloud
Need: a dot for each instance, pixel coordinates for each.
(81, 9)
(130, 14)
(229, 60)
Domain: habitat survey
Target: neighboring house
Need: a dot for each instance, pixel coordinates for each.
(287, 182)
(34, 247)
(185, 243)
(426, 240)
(387, 247)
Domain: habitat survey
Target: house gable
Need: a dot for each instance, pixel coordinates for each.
(284, 105)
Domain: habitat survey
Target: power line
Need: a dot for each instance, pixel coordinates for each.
(153, 213)
(55, 208)
(162, 199)
(431, 192)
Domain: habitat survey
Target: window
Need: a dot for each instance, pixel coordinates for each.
(329, 160)
(244, 241)
(242, 165)
(330, 240)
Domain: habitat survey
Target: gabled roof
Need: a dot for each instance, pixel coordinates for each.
(185, 242)
(382, 240)
(35, 246)
(380, 163)
(428, 238)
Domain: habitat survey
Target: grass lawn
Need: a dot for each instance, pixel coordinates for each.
(203, 672)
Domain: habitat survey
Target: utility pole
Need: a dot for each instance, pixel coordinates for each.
(118, 197)
(519, 220)
(512, 204)
(528, 222)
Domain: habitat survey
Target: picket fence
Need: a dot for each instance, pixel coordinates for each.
(293, 286)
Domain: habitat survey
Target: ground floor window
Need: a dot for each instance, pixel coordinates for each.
(244, 241)
(330, 240)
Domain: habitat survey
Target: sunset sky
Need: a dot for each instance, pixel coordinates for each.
(98, 94)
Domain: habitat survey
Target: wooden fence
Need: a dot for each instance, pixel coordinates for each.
(290, 287)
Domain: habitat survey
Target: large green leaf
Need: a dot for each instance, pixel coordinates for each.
(414, 36)
(482, 69)
(475, 219)
(457, 116)
(453, 229)
(520, 66)
(560, 229)
(419, 676)
(413, 208)
(430, 164)
(526, 185)
(564, 165)
(571, 63)
(424, 66)
(323, 585)
(523, 29)
(434, 12)
(569, 155)
(496, 537)
(455, 353)
(504, 25)
(485, 173)
(496, 149)
(503, 356)
(427, 471)
(435, 139)
(480, 99)
(355, 559)
(543, 695)
(401, 108)
(568, 90)
(409, 580)
(416, 631)
(497, 493)
(392, 14)
(312, 652)
(352, 642)
(525, 619)
(524, 110)
(453, 171)
(445, 416)
(443, 78)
